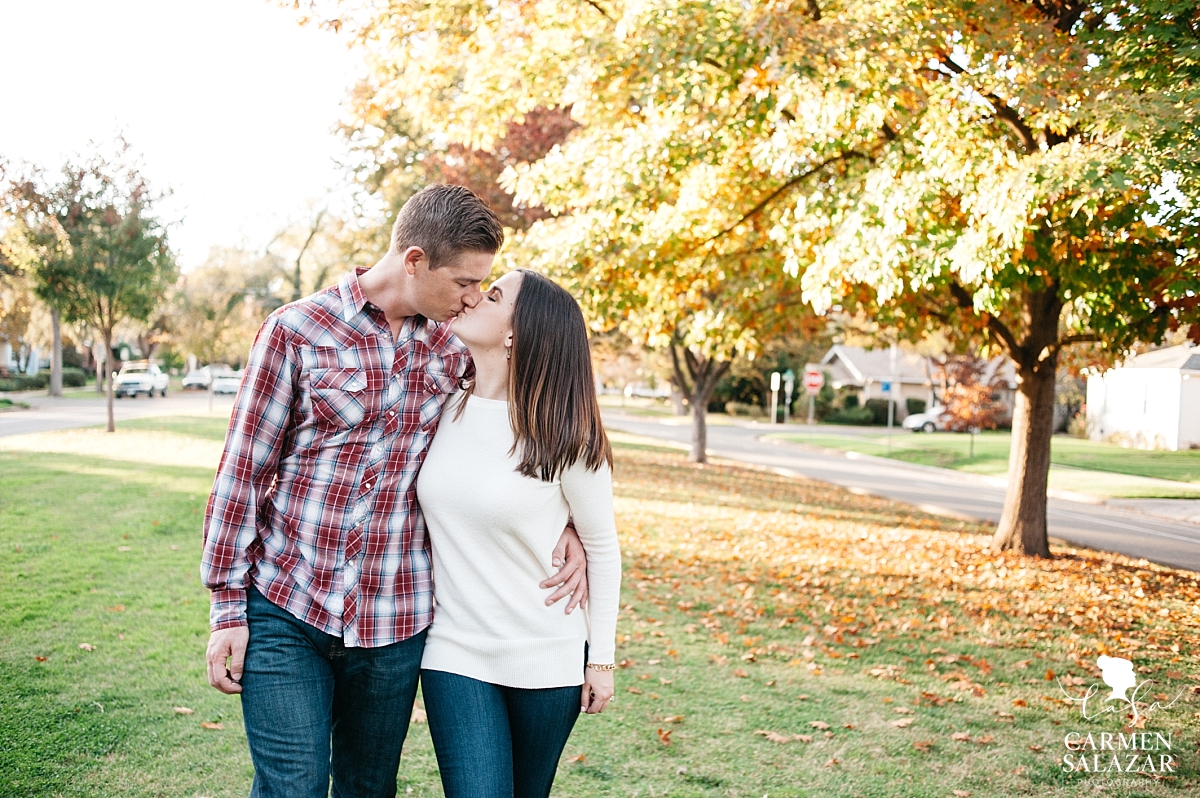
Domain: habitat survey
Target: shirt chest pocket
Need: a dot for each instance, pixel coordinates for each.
(341, 397)
(436, 389)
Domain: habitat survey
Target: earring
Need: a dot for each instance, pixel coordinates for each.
(508, 353)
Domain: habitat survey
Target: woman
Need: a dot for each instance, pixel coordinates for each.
(504, 675)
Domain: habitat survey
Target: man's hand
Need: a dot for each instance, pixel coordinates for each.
(223, 645)
(572, 576)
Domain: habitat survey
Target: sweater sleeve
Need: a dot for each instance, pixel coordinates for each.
(589, 494)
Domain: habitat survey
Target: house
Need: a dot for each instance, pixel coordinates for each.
(1152, 401)
(866, 371)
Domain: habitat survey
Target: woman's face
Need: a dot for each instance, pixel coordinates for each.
(488, 325)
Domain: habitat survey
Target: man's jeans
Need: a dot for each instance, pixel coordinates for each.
(497, 741)
(314, 708)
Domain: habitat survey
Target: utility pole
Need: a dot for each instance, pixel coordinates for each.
(774, 396)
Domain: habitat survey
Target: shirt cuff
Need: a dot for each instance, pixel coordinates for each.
(227, 608)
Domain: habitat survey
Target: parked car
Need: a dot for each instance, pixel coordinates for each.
(931, 420)
(143, 377)
(197, 379)
(227, 381)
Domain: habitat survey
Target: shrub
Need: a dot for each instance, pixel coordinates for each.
(744, 409)
(25, 382)
(851, 415)
(879, 411)
(74, 377)
(914, 406)
(850, 402)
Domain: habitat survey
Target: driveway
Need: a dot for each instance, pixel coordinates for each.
(83, 410)
(1105, 527)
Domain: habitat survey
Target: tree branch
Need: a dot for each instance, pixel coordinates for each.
(1080, 338)
(597, 6)
(1000, 109)
(965, 301)
(757, 209)
(814, 10)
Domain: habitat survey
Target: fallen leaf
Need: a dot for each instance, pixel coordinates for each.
(741, 674)
(923, 745)
(673, 719)
(580, 759)
(116, 608)
(961, 737)
(831, 763)
(985, 739)
(653, 662)
(902, 723)
(1036, 748)
(903, 711)
(1049, 675)
(41, 659)
(1006, 716)
(1174, 674)
(87, 646)
(849, 726)
(666, 681)
(774, 737)
(210, 725)
(962, 794)
(1019, 702)
(626, 663)
(802, 697)
(635, 691)
(804, 738)
(644, 676)
(183, 710)
(819, 724)
(123, 548)
(1022, 665)
(418, 715)
(664, 737)
(718, 659)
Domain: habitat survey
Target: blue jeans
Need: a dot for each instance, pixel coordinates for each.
(315, 709)
(493, 741)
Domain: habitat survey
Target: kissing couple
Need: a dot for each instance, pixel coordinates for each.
(415, 474)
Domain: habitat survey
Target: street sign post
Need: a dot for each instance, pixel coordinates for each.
(789, 385)
(775, 376)
(813, 382)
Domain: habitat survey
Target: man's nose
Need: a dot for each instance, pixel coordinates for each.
(471, 298)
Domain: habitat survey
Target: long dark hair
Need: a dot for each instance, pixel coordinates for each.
(551, 392)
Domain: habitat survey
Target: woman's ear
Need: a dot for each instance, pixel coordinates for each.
(508, 340)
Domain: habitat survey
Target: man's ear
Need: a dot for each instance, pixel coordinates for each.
(412, 258)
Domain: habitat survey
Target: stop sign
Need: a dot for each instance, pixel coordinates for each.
(813, 380)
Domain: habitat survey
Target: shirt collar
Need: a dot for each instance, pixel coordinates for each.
(353, 300)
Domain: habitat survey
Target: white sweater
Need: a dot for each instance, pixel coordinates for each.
(493, 531)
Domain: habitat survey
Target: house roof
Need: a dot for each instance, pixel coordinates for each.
(1185, 357)
(861, 366)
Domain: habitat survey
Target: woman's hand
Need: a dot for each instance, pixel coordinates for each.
(597, 691)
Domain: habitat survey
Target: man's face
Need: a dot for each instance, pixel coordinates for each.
(441, 294)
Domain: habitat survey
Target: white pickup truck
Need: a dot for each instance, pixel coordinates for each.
(138, 378)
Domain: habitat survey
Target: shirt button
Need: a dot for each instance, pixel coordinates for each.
(367, 486)
(391, 413)
(377, 450)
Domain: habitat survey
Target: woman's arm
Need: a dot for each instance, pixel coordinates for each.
(589, 494)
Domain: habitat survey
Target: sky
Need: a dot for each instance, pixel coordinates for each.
(230, 104)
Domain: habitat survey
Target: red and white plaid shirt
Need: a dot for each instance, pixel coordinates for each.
(315, 500)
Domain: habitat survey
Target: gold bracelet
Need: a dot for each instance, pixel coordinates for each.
(609, 667)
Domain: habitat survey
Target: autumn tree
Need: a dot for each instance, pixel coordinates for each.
(110, 258)
(1020, 173)
(971, 393)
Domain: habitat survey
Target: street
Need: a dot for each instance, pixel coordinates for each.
(935, 490)
(88, 410)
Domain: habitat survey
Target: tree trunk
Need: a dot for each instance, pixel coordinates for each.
(1022, 527)
(677, 405)
(108, 379)
(701, 379)
(100, 363)
(56, 365)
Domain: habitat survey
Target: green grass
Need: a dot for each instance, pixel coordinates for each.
(751, 603)
(9, 404)
(1073, 461)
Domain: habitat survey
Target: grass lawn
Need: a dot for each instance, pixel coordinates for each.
(9, 404)
(778, 637)
(1074, 461)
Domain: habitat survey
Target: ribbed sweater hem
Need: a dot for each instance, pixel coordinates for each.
(528, 664)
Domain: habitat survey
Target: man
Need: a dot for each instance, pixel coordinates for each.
(315, 550)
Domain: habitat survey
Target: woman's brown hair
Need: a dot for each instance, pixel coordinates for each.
(551, 392)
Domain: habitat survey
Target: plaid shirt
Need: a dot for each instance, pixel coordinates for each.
(315, 500)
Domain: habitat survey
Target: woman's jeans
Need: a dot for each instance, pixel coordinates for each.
(494, 741)
(314, 708)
